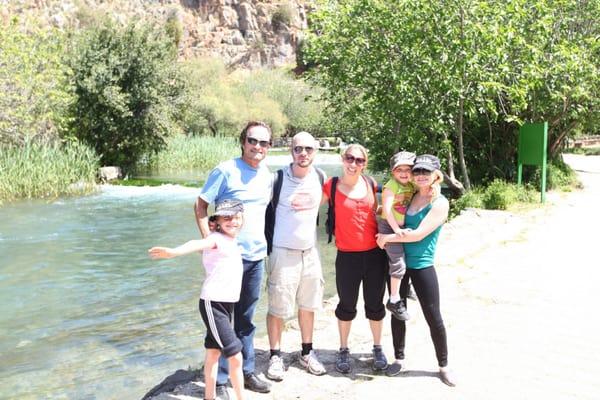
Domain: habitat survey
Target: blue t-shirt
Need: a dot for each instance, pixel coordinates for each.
(421, 254)
(235, 179)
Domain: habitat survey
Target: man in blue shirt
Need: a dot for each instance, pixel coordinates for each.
(246, 179)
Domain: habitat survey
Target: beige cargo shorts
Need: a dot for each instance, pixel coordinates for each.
(294, 277)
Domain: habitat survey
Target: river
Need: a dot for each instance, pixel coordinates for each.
(84, 313)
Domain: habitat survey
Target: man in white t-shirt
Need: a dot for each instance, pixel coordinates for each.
(294, 269)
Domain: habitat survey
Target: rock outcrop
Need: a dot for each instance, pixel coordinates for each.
(243, 33)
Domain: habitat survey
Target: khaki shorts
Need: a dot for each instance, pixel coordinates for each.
(294, 277)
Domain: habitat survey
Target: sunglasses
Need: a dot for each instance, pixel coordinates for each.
(421, 171)
(300, 149)
(252, 141)
(351, 159)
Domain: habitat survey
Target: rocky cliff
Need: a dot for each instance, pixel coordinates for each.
(244, 33)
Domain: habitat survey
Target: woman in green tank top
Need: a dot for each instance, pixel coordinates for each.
(425, 216)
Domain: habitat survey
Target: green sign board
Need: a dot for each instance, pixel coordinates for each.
(533, 145)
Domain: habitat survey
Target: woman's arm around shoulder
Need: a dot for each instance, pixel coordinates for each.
(436, 216)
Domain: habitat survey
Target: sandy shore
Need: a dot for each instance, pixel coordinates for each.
(519, 293)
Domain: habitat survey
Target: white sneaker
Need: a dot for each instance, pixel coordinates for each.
(276, 369)
(312, 363)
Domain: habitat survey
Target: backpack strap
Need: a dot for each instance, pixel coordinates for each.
(321, 174)
(331, 210)
(277, 183)
(271, 210)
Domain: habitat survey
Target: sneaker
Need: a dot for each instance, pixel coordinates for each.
(398, 310)
(342, 363)
(312, 363)
(394, 368)
(221, 393)
(253, 383)
(276, 369)
(379, 360)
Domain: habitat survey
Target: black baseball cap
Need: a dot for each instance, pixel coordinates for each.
(427, 161)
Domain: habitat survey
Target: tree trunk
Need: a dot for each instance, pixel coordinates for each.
(454, 185)
(461, 150)
(460, 116)
(450, 173)
(555, 146)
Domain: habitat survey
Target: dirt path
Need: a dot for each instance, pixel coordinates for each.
(519, 296)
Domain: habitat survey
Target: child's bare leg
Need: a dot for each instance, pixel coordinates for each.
(236, 375)
(211, 366)
(394, 289)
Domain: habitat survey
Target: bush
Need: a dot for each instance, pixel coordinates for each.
(470, 199)
(34, 94)
(282, 16)
(125, 89)
(499, 195)
(559, 176)
(174, 27)
(36, 170)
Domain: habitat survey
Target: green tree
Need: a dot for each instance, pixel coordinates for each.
(456, 77)
(34, 93)
(125, 85)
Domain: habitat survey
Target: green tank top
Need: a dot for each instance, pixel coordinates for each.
(422, 253)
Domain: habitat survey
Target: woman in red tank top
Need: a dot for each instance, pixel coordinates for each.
(359, 259)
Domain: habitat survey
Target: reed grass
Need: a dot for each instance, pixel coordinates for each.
(193, 153)
(37, 170)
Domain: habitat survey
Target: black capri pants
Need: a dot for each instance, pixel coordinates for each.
(353, 268)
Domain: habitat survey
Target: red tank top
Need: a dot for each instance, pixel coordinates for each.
(355, 220)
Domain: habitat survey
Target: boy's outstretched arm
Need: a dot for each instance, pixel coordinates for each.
(192, 246)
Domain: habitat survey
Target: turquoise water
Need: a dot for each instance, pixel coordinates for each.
(84, 313)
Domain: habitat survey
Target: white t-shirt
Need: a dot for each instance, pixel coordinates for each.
(224, 270)
(296, 214)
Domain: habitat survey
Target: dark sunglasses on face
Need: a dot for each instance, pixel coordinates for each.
(300, 149)
(351, 159)
(421, 171)
(252, 141)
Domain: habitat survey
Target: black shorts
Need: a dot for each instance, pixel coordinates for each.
(218, 318)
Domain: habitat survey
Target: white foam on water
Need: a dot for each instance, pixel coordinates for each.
(167, 190)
